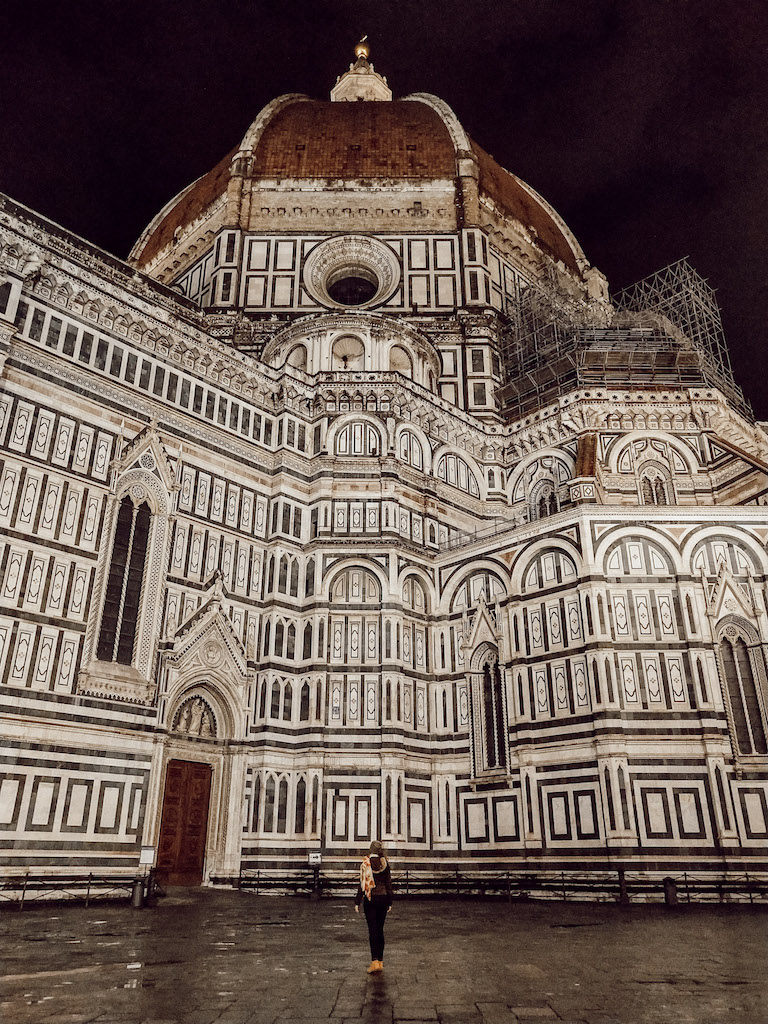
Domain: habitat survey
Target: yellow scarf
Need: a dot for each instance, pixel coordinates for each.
(367, 883)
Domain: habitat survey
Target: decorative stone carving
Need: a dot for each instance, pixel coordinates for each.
(195, 718)
(350, 253)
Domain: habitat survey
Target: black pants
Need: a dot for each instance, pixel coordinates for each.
(376, 914)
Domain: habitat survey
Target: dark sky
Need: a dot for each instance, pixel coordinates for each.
(644, 122)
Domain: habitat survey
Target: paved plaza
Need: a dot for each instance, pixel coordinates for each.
(203, 956)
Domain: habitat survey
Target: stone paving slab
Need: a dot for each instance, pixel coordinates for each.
(224, 957)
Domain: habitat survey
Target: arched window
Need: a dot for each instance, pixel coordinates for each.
(358, 439)
(119, 618)
(295, 579)
(301, 806)
(263, 702)
(282, 585)
(279, 639)
(307, 651)
(493, 717)
(454, 470)
(282, 805)
(256, 804)
(304, 703)
(269, 804)
(544, 501)
(288, 703)
(274, 706)
(309, 579)
(265, 644)
(290, 646)
(653, 488)
(315, 803)
(271, 575)
(410, 449)
(743, 697)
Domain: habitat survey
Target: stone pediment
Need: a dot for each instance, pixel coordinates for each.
(481, 626)
(729, 597)
(148, 453)
(207, 640)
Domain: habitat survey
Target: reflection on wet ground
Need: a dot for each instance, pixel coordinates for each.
(203, 956)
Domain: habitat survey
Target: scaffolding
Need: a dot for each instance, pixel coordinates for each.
(665, 332)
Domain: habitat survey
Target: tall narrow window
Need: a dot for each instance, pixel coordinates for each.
(119, 619)
(282, 805)
(301, 802)
(307, 650)
(256, 804)
(290, 646)
(269, 804)
(315, 803)
(493, 717)
(279, 639)
(304, 703)
(743, 698)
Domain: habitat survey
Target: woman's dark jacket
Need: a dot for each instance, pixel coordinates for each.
(382, 878)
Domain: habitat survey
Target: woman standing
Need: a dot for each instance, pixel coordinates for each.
(375, 893)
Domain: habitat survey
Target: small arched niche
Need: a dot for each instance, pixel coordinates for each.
(348, 353)
(400, 361)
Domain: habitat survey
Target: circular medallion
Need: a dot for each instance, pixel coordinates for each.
(351, 272)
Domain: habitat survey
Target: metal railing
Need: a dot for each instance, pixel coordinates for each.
(29, 888)
(618, 886)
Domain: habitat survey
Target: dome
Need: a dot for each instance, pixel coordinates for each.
(416, 141)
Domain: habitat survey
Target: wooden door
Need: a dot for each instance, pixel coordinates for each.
(183, 827)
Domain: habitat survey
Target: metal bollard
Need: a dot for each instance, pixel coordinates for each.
(670, 892)
(137, 894)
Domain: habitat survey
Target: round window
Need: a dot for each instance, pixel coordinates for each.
(352, 286)
(351, 271)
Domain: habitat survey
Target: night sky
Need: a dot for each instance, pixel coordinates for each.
(644, 123)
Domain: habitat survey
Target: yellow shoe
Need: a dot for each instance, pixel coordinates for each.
(374, 967)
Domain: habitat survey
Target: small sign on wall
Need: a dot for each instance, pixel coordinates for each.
(147, 855)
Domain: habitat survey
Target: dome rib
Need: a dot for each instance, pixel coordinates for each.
(533, 212)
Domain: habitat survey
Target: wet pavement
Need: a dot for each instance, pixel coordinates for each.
(204, 956)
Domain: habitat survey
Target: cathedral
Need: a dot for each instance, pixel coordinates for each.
(355, 505)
